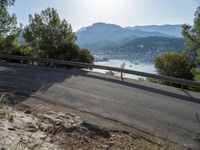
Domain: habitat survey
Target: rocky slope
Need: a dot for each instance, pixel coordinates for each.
(40, 128)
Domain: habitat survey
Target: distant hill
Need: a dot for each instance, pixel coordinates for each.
(155, 43)
(174, 30)
(101, 36)
(142, 49)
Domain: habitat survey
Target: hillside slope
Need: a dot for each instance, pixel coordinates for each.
(101, 36)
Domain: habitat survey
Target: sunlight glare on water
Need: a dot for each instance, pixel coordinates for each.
(149, 68)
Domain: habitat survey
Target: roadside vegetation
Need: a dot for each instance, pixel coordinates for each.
(46, 36)
(184, 64)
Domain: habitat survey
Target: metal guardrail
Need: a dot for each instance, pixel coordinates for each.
(86, 65)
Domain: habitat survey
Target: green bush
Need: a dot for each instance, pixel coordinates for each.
(174, 64)
(50, 37)
(85, 56)
(11, 46)
(196, 72)
(47, 36)
(68, 52)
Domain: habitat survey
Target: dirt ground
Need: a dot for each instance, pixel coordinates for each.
(35, 125)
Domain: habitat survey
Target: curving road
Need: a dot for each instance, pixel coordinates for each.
(162, 111)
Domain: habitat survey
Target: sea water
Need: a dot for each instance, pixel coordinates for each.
(143, 67)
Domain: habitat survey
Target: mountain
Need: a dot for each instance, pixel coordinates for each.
(174, 30)
(101, 36)
(142, 49)
(153, 44)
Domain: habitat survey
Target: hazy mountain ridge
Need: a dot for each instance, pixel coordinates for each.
(154, 43)
(174, 30)
(102, 36)
(142, 49)
(101, 32)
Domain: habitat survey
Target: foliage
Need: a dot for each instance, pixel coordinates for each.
(72, 52)
(50, 37)
(46, 36)
(68, 51)
(6, 2)
(174, 64)
(168, 63)
(46, 33)
(192, 36)
(85, 56)
(153, 80)
(11, 46)
(9, 31)
(196, 72)
(8, 23)
(192, 46)
(185, 64)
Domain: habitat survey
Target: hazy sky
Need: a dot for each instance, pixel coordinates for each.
(82, 13)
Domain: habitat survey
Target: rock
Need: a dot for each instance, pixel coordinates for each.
(27, 112)
(69, 129)
(46, 127)
(86, 139)
(105, 146)
(11, 129)
(31, 127)
(50, 112)
(60, 122)
(72, 115)
(99, 131)
(61, 115)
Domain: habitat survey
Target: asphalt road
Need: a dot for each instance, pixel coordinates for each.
(159, 110)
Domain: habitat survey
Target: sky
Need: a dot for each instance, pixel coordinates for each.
(82, 13)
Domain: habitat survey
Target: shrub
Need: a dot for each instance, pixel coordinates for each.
(50, 37)
(85, 56)
(174, 64)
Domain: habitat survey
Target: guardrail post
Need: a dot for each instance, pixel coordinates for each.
(122, 76)
(122, 67)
